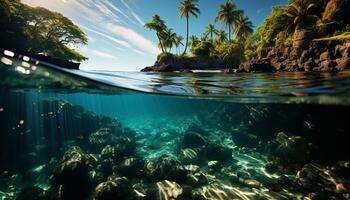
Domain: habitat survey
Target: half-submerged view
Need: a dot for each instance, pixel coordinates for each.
(174, 100)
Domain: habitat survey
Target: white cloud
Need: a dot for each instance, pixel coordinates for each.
(102, 54)
(120, 42)
(133, 38)
(138, 18)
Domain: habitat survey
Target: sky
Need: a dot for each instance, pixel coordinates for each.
(118, 40)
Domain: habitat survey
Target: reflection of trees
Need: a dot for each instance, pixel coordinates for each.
(32, 30)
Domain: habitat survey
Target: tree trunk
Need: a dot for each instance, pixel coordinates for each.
(160, 42)
(186, 35)
(229, 32)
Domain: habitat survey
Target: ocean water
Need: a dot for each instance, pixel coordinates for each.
(119, 135)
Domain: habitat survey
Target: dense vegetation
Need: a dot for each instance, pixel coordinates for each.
(34, 30)
(319, 16)
(213, 43)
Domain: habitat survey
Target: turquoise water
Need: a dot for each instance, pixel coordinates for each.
(119, 135)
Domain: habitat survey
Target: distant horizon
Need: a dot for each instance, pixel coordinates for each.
(118, 40)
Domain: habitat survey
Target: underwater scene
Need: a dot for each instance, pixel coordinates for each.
(69, 134)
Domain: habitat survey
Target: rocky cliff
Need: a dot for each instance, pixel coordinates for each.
(306, 53)
(322, 56)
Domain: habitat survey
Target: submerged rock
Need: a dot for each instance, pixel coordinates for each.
(193, 140)
(101, 138)
(168, 190)
(289, 150)
(165, 168)
(131, 167)
(124, 147)
(71, 175)
(323, 180)
(114, 188)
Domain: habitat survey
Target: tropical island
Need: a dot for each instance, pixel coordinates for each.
(304, 35)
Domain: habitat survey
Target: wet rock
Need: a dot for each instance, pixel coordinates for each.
(193, 140)
(290, 149)
(114, 188)
(325, 56)
(342, 63)
(31, 193)
(71, 175)
(168, 190)
(219, 153)
(124, 147)
(165, 168)
(131, 167)
(318, 178)
(262, 65)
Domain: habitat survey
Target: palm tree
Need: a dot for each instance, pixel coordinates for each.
(158, 25)
(178, 42)
(168, 37)
(221, 36)
(300, 12)
(193, 41)
(186, 9)
(210, 31)
(228, 14)
(243, 27)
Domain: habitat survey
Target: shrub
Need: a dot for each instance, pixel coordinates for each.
(231, 53)
(204, 48)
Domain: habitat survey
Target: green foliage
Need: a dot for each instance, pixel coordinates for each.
(35, 30)
(300, 12)
(210, 31)
(342, 36)
(273, 25)
(204, 48)
(243, 27)
(158, 25)
(231, 53)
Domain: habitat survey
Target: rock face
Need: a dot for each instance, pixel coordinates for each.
(71, 176)
(336, 10)
(319, 56)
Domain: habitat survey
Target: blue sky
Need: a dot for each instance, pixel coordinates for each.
(117, 39)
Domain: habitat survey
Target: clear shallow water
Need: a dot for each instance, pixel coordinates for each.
(116, 135)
